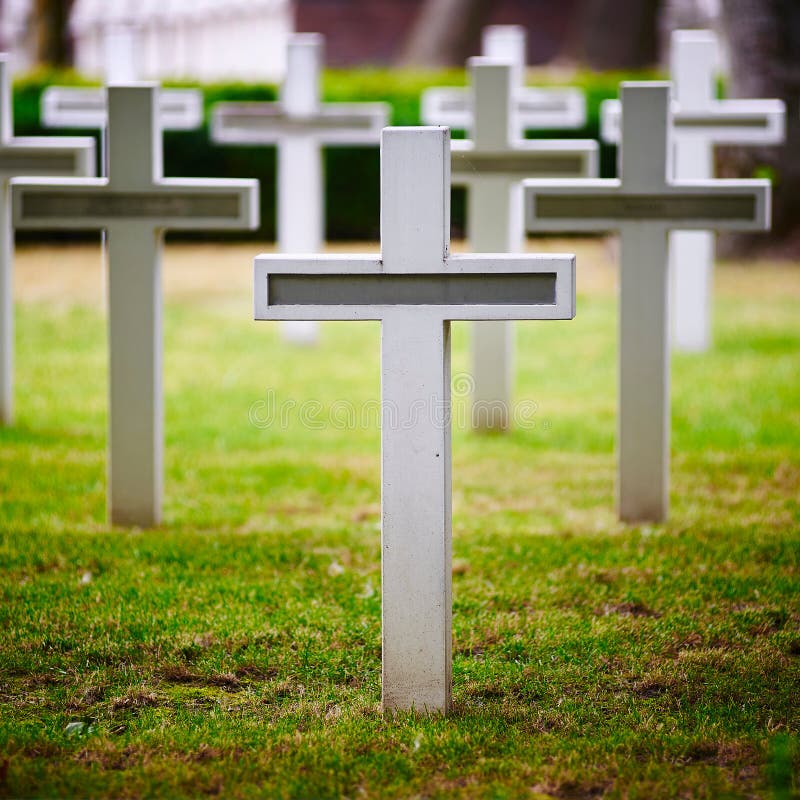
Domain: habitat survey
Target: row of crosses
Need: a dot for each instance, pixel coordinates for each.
(415, 288)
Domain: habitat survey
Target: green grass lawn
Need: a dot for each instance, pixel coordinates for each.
(236, 649)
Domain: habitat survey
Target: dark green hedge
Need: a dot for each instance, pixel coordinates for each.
(352, 174)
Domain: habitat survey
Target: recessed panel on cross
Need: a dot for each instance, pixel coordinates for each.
(459, 295)
(81, 207)
(38, 160)
(298, 288)
(688, 208)
(415, 288)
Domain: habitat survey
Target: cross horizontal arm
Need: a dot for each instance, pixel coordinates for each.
(603, 205)
(551, 108)
(268, 123)
(470, 287)
(82, 107)
(47, 155)
(724, 122)
(533, 108)
(567, 159)
(172, 204)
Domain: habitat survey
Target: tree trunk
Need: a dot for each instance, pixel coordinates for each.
(446, 32)
(609, 34)
(764, 40)
(53, 46)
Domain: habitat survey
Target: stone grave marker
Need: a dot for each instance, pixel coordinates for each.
(86, 107)
(415, 288)
(492, 165)
(135, 205)
(300, 125)
(644, 205)
(701, 122)
(24, 156)
(532, 107)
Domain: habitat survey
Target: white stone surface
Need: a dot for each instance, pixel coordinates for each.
(135, 205)
(701, 122)
(492, 166)
(507, 43)
(533, 107)
(24, 156)
(644, 206)
(120, 54)
(415, 288)
(18, 34)
(300, 125)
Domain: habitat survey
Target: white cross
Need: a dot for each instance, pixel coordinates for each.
(415, 288)
(644, 205)
(24, 156)
(701, 123)
(492, 165)
(135, 205)
(534, 108)
(300, 125)
(85, 107)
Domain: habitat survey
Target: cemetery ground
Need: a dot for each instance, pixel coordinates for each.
(236, 649)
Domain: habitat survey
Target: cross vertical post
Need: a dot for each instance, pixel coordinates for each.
(301, 181)
(693, 68)
(643, 368)
(494, 209)
(492, 166)
(22, 156)
(6, 310)
(415, 437)
(136, 424)
(300, 206)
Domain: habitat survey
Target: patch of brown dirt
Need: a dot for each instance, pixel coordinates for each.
(626, 610)
(649, 689)
(181, 675)
(570, 790)
(135, 700)
(253, 672)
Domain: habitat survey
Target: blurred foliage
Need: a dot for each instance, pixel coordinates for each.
(352, 173)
